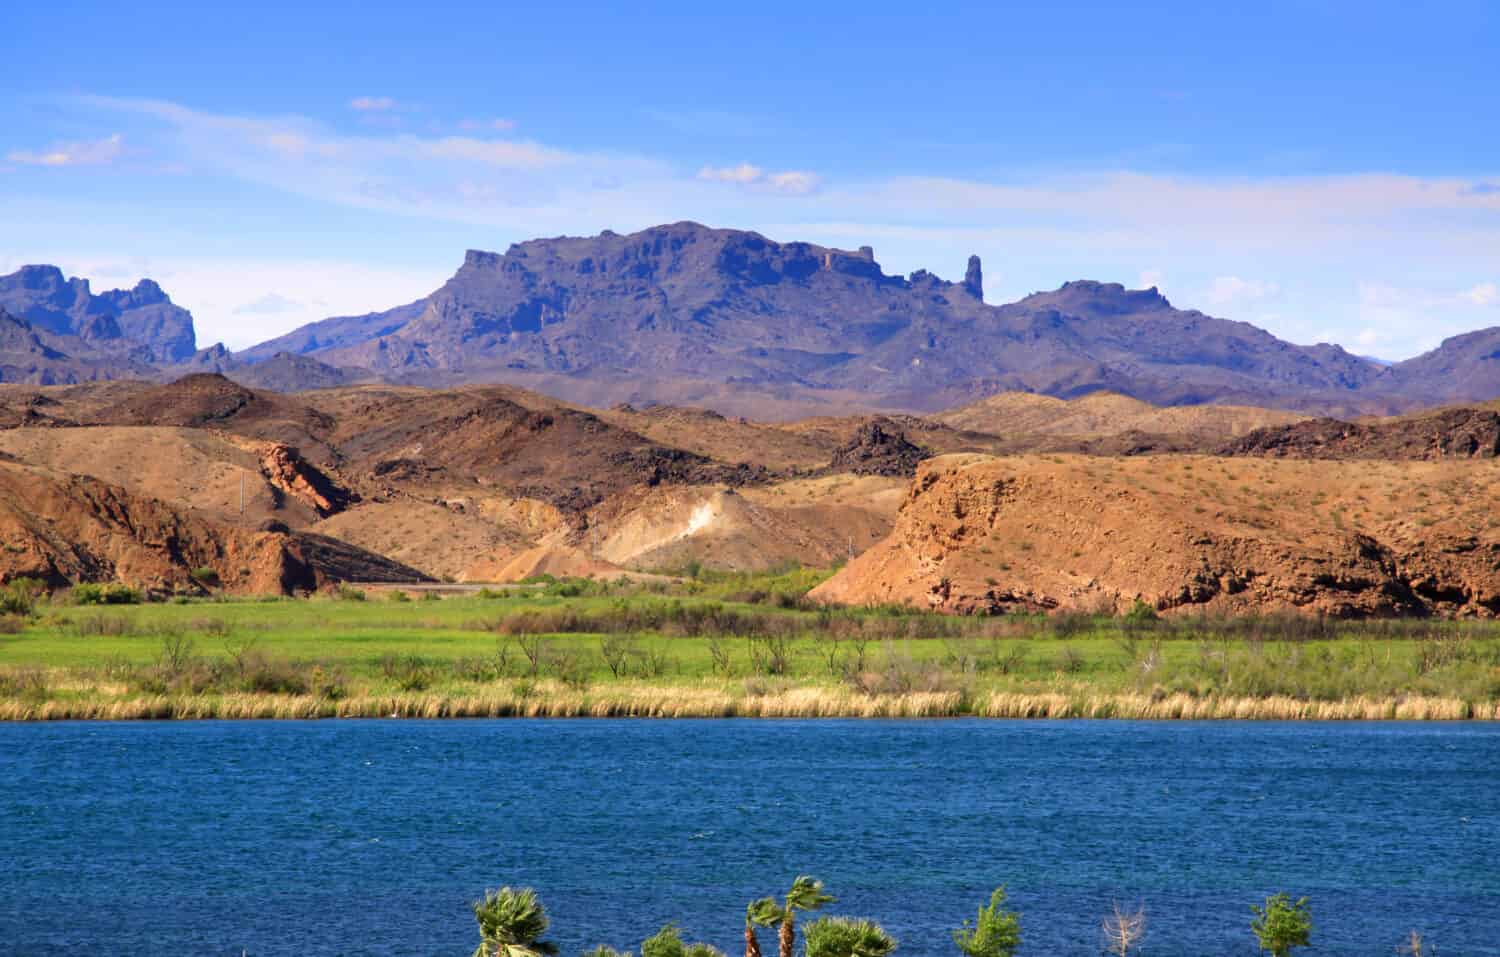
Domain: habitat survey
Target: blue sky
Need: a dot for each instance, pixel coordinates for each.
(1330, 171)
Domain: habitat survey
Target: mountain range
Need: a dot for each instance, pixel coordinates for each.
(686, 314)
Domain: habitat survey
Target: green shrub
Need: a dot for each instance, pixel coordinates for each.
(348, 593)
(1281, 924)
(19, 596)
(205, 576)
(995, 932)
(667, 942)
(398, 596)
(1141, 612)
(846, 937)
(114, 593)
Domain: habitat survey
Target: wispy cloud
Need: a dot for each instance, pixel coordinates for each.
(790, 182)
(1231, 244)
(83, 153)
(497, 125)
(1483, 294)
(1233, 291)
(268, 305)
(373, 104)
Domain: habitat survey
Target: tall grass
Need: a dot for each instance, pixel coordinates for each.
(639, 700)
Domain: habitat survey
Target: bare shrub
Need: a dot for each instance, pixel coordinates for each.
(617, 651)
(534, 649)
(718, 650)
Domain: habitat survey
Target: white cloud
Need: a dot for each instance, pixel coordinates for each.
(1483, 294)
(372, 104)
(508, 153)
(790, 182)
(743, 173)
(83, 153)
(794, 182)
(497, 125)
(1238, 245)
(1232, 291)
(269, 304)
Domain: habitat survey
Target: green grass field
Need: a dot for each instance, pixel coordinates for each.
(580, 643)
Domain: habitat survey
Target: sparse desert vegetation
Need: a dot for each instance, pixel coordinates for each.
(718, 645)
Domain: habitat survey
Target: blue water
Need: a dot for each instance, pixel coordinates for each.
(373, 836)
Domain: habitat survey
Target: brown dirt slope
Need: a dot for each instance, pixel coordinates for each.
(1449, 433)
(726, 439)
(1107, 413)
(442, 541)
(65, 529)
(569, 458)
(980, 534)
(196, 469)
(754, 530)
(210, 401)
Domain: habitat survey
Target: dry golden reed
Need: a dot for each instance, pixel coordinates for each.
(550, 700)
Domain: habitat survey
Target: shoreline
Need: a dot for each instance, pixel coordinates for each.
(669, 703)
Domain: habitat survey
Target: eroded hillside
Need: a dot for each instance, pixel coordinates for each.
(1037, 533)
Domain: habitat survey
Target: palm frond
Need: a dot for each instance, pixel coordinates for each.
(807, 894)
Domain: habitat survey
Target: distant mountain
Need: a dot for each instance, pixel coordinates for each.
(1464, 368)
(334, 333)
(37, 356)
(684, 312)
(140, 323)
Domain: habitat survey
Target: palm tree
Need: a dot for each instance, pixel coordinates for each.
(806, 894)
(846, 937)
(511, 921)
(761, 913)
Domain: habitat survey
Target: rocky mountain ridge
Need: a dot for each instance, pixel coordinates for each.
(684, 314)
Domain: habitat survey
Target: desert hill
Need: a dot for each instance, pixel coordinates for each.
(1064, 503)
(63, 529)
(211, 473)
(1105, 413)
(1036, 533)
(1446, 433)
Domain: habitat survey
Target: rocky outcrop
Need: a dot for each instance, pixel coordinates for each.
(986, 535)
(1451, 433)
(65, 529)
(286, 470)
(877, 448)
(974, 279)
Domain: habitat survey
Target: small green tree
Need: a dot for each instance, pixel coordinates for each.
(511, 923)
(667, 942)
(604, 950)
(996, 932)
(1281, 924)
(19, 596)
(846, 937)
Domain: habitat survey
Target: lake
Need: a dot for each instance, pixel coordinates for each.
(372, 837)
